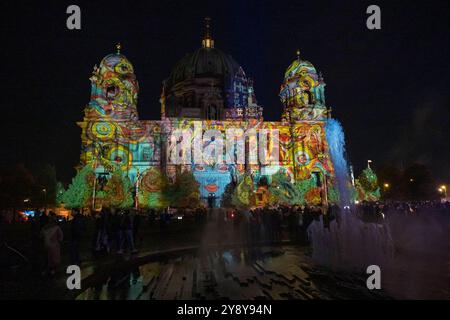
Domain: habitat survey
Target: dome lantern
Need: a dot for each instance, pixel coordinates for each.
(208, 41)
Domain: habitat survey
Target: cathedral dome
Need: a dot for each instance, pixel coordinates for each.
(118, 63)
(299, 68)
(208, 84)
(204, 62)
(114, 88)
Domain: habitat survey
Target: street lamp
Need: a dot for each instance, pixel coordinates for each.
(443, 189)
(368, 163)
(386, 185)
(45, 199)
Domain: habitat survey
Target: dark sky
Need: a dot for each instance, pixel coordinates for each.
(389, 87)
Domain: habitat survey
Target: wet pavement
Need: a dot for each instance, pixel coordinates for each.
(214, 260)
(226, 265)
(241, 273)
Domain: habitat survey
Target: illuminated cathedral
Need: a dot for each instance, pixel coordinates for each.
(206, 89)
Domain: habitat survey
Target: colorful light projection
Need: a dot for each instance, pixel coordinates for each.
(302, 93)
(111, 144)
(151, 185)
(283, 191)
(114, 89)
(241, 99)
(367, 187)
(130, 145)
(244, 195)
(302, 158)
(113, 137)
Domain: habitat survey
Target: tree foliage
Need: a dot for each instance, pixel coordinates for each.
(60, 190)
(151, 185)
(367, 185)
(227, 197)
(243, 195)
(17, 186)
(118, 191)
(80, 190)
(183, 192)
(283, 191)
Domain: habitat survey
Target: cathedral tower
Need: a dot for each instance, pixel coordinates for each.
(303, 92)
(114, 89)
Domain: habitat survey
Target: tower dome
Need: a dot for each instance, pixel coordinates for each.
(118, 63)
(114, 88)
(300, 68)
(302, 92)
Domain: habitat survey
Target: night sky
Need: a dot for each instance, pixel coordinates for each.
(388, 87)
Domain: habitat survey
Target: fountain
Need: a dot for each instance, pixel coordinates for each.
(336, 144)
(411, 249)
(348, 244)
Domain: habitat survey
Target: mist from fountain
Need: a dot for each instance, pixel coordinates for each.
(351, 244)
(348, 244)
(336, 145)
(412, 250)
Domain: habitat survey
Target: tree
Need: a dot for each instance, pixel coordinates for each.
(414, 183)
(79, 191)
(183, 192)
(118, 191)
(390, 180)
(151, 185)
(243, 195)
(60, 190)
(281, 190)
(418, 183)
(333, 194)
(367, 185)
(227, 198)
(307, 192)
(16, 187)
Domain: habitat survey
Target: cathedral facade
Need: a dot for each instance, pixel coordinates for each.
(207, 90)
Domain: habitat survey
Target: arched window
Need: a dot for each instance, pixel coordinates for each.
(111, 92)
(307, 97)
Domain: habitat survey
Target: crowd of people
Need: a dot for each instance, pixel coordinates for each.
(120, 231)
(272, 224)
(114, 230)
(46, 239)
(117, 230)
